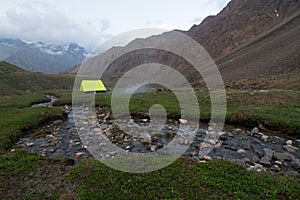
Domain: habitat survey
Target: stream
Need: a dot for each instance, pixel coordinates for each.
(252, 149)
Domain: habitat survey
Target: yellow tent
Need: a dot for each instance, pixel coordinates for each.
(92, 86)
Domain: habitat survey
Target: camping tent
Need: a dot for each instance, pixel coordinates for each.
(92, 86)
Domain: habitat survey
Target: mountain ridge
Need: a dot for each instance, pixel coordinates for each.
(41, 56)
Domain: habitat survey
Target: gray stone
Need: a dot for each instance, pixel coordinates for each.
(283, 156)
(275, 168)
(255, 159)
(296, 163)
(268, 153)
(290, 148)
(254, 131)
(265, 161)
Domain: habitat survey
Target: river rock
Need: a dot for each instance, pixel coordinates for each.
(57, 122)
(296, 163)
(275, 168)
(283, 156)
(290, 148)
(29, 144)
(256, 167)
(268, 153)
(146, 139)
(241, 151)
(265, 161)
(183, 121)
(153, 148)
(206, 157)
(264, 138)
(193, 153)
(289, 142)
(254, 131)
(277, 162)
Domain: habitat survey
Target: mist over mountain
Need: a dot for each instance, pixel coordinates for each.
(40, 56)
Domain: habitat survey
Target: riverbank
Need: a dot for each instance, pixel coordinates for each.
(25, 175)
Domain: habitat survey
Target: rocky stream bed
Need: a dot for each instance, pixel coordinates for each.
(250, 148)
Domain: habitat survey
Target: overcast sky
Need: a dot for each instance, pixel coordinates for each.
(89, 22)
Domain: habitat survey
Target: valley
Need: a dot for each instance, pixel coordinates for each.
(55, 143)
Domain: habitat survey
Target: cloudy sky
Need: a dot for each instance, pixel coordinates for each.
(89, 22)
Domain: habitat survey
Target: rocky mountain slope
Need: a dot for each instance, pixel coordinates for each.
(40, 56)
(267, 28)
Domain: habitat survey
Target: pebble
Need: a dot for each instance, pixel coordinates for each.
(264, 138)
(193, 153)
(241, 151)
(153, 148)
(208, 158)
(29, 144)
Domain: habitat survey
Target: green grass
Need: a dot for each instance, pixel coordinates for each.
(14, 80)
(275, 110)
(11, 164)
(183, 179)
(21, 101)
(14, 122)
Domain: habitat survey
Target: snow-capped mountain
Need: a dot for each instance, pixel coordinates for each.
(41, 56)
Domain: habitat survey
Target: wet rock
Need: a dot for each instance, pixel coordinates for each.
(289, 142)
(230, 135)
(277, 162)
(241, 151)
(205, 157)
(29, 144)
(290, 148)
(275, 168)
(283, 156)
(193, 153)
(256, 167)
(128, 148)
(153, 148)
(268, 153)
(264, 138)
(254, 131)
(146, 139)
(57, 122)
(258, 135)
(183, 121)
(218, 145)
(159, 145)
(79, 154)
(265, 161)
(296, 163)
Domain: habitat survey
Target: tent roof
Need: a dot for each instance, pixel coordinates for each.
(92, 86)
